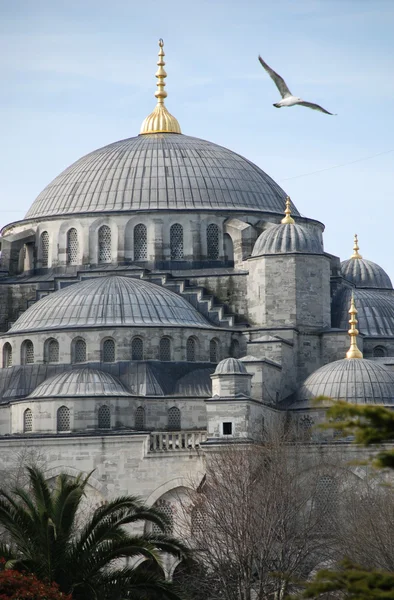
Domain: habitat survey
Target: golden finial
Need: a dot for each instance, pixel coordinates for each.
(160, 120)
(356, 249)
(354, 351)
(288, 219)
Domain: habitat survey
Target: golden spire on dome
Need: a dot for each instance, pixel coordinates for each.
(356, 249)
(160, 120)
(288, 219)
(354, 351)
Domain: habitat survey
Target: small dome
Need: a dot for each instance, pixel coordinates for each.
(230, 366)
(113, 301)
(375, 311)
(80, 382)
(287, 238)
(356, 380)
(365, 274)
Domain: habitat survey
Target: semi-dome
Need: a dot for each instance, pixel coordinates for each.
(163, 171)
(230, 366)
(355, 380)
(109, 301)
(287, 238)
(375, 311)
(80, 382)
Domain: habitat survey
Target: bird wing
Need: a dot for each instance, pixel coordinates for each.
(314, 107)
(278, 80)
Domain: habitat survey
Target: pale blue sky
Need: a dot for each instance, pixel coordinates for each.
(79, 74)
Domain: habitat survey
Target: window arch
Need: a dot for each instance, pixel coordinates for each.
(104, 417)
(7, 355)
(197, 520)
(139, 421)
(137, 349)
(174, 419)
(191, 349)
(51, 351)
(79, 351)
(326, 500)
(27, 421)
(63, 419)
(176, 241)
(72, 248)
(27, 352)
(165, 349)
(228, 248)
(213, 351)
(108, 351)
(104, 244)
(234, 349)
(140, 242)
(44, 247)
(306, 424)
(379, 352)
(167, 509)
(213, 241)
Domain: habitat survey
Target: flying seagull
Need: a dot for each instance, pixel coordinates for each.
(288, 98)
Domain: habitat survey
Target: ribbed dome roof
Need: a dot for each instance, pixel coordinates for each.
(111, 300)
(365, 274)
(375, 311)
(358, 381)
(287, 238)
(160, 172)
(230, 366)
(80, 382)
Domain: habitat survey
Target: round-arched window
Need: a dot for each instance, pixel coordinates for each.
(63, 419)
(174, 419)
(213, 241)
(108, 351)
(79, 354)
(165, 349)
(379, 352)
(140, 242)
(191, 353)
(44, 246)
(7, 355)
(176, 241)
(104, 244)
(213, 351)
(27, 352)
(104, 417)
(72, 246)
(27, 421)
(137, 349)
(139, 422)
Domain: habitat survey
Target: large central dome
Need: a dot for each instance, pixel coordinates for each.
(164, 171)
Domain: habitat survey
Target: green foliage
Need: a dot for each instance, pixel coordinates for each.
(351, 582)
(42, 540)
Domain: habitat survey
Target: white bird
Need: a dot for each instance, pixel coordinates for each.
(288, 98)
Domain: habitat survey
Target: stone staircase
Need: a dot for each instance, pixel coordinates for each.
(197, 296)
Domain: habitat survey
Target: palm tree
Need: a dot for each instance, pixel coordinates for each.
(96, 561)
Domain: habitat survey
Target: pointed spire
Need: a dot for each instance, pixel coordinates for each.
(354, 351)
(160, 120)
(356, 249)
(288, 219)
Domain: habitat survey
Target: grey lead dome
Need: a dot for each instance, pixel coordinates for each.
(365, 274)
(230, 366)
(80, 382)
(287, 238)
(112, 300)
(160, 172)
(355, 380)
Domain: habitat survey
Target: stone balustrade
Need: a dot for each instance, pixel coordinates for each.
(162, 441)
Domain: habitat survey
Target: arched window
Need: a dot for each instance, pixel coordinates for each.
(104, 244)
(108, 351)
(176, 241)
(165, 349)
(306, 424)
(326, 500)
(72, 246)
(27, 352)
(191, 349)
(197, 520)
(379, 352)
(137, 349)
(44, 246)
(234, 349)
(7, 355)
(27, 421)
(79, 354)
(166, 508)
(174, 419)
(228, 248)
(140, 242)
(51, 351)
(139, 418)
(213, 241)
(213, 351)
(104, 417)
(63, 419)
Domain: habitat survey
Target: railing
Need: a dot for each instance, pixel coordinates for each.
(162, 441)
